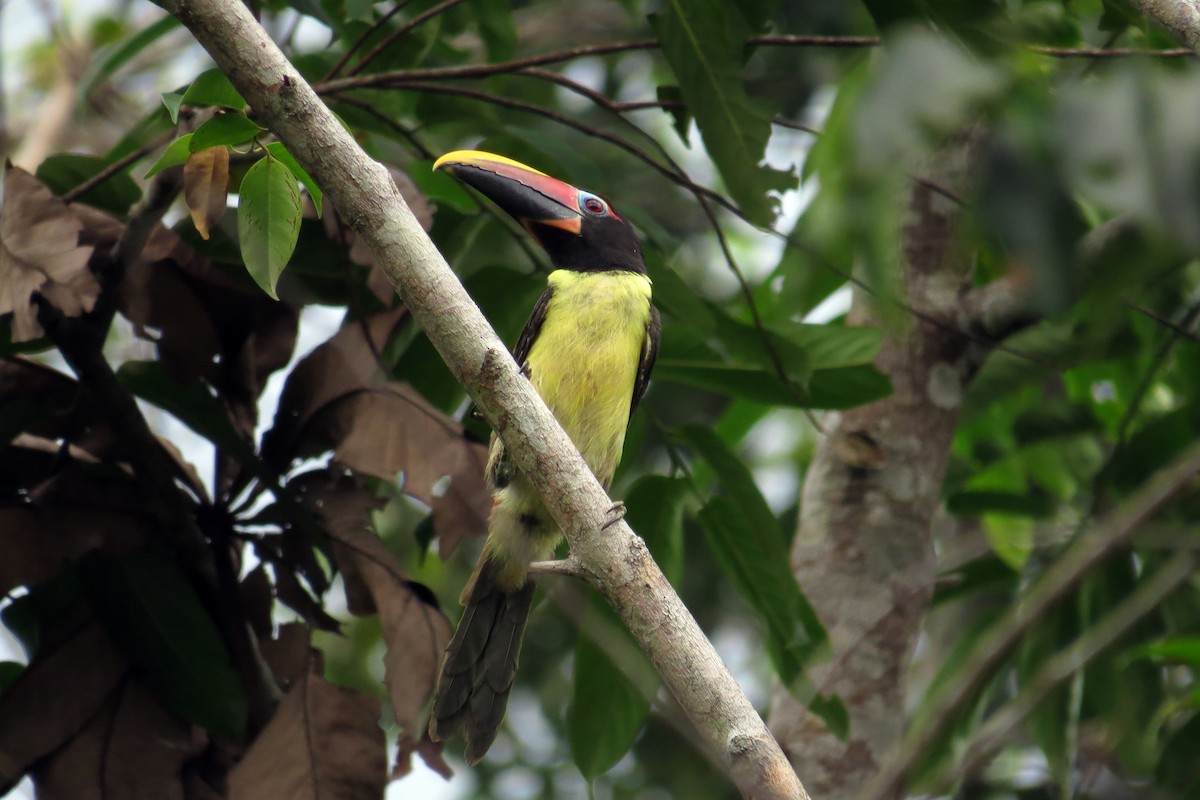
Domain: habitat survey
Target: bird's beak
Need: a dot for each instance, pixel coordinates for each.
(532, 198)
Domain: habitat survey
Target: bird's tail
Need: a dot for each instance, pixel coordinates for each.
(481, 661)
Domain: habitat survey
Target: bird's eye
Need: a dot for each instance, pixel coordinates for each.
(594, 205)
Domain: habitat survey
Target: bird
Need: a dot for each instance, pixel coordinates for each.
(588, 349)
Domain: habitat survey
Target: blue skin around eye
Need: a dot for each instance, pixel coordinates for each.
(586, 198)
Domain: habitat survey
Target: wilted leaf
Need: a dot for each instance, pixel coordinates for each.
(391, 432)
(336, 398)
(257, 600)
(269, 213)
(206, 186)
(206, 323)
(415, 630)
(421, 207)
(54, 699)
(291, 593)
(70, 772)
(134, 748)
(35, 542)
(346, 363)
(289, 654)
(324, 743)
(148, 606)
(429, 750)
(40, 252)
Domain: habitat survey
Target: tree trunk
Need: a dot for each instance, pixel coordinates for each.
(863, 552)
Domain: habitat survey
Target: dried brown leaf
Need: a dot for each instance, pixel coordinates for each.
(324, 743)
(429, 751)
(132, 748)
(346, 363)
(391, 432)
(257, 600)
(293, 594)
(40, 252)
(73, 772)
(35, 541)
(207, 324)
(206, 187)
(423, 209)
(415, 630)
(289, 654)
(54, 699)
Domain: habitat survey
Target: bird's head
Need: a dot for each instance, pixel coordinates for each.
(579, 230)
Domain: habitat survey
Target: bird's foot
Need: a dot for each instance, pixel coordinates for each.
(615, 515)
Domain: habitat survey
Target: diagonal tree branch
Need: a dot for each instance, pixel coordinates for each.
(1083, 556)
(617, 562)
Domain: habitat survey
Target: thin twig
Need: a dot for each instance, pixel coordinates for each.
(367, 34)
(71, 195)
(410, 136)
(1110, 52)
(1147, 380)
(402, 31)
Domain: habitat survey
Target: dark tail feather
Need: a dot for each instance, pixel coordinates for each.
(480, 663)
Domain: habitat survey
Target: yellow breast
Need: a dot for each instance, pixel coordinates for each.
(585, 358)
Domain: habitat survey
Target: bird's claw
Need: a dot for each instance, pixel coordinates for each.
(616, 514)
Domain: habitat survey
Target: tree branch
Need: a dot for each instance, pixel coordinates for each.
(1059, 669)
(1082, 556)
(1180, 17)
(617, 562)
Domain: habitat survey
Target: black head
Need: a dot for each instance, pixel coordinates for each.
(578, 230)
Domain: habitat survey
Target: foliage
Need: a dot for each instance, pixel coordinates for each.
(181, 629)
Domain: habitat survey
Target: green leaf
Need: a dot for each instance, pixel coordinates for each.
(146, 603)
(704, 41)
(607, 708)
(654, 509)
(177, 153)
(191, 403)
(223, 129)
(495, 22)
(1011, 537)
(672, 99)
(9, 672)
(844, 387)
(832, 346)
(212, 88)
(117, 57)
(1022, 504)
(1177, 649)
(737, 482)
(756, 561)
(64, 172)
(269, 213)
(751, 547)
(172, 101)
(288, 160)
